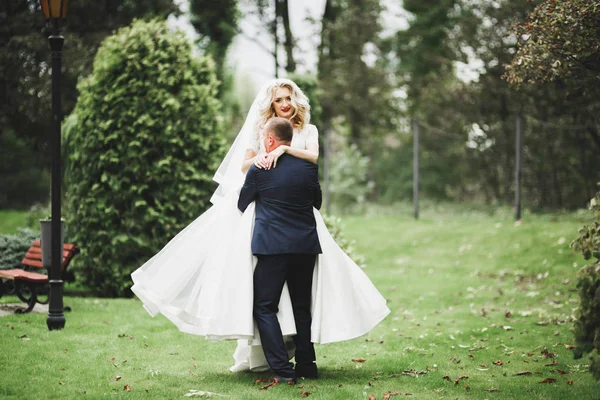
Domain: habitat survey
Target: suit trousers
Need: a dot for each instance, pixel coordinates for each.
(270, 274)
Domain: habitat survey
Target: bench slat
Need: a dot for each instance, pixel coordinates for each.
(23, 275)
(33, 258)
(32, 263)
(38, 255)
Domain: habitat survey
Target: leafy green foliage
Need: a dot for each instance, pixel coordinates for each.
(561, 43)
(349, 175)
(14, 247)
(587, 326)
(25, 76)
(335, 227)
(355, 85)
(144, 146)
(217, 24)
(22, 180)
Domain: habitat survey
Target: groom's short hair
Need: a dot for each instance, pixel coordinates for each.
(281, 128)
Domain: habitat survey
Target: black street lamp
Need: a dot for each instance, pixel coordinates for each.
(55, 12)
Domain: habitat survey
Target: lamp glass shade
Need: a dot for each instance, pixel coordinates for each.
(54, 9)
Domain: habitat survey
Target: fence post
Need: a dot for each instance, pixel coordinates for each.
(416, 168)
(519, 152)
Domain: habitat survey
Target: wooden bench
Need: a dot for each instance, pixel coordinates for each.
(29, 285)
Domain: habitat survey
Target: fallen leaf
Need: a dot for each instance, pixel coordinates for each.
(459, 378)
(390, 394)
(265, 387)
(412, 372)
(371, 397)
(561, 372)
(261, 380)
(305, 394)
(446, 377)
(467, 388)
(499, 362)
(569, 346)
(61, 383)
(492, 390)
(117, 378)
(547, 354)
(523, 373)
(359, 360)
(569, 382)
(127, 387)
(554, 362)
(548, 380)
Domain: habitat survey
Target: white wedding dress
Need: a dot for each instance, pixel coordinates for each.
(202, 279)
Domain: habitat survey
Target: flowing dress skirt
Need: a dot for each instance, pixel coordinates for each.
(202, 282)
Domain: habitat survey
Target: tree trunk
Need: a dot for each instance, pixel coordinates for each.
(283, 10)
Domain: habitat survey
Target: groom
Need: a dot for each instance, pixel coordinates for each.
(286, 244)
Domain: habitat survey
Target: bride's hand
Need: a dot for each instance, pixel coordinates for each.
(274, 155)
(260, 161)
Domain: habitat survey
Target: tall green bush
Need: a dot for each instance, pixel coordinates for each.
(587, 325)
(145, 144)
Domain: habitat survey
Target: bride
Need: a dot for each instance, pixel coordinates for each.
(202, 279)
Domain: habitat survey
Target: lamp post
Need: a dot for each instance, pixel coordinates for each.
(55, 12)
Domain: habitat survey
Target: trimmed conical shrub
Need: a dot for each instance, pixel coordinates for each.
(142, 153)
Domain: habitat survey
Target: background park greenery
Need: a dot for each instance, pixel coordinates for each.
(148, 115)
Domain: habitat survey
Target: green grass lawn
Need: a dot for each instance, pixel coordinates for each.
(12, 220)
(472, 295)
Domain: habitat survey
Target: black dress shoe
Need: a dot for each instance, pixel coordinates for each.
(306, 371)
(282, 380)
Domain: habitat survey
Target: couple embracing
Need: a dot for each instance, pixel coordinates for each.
(269, 274)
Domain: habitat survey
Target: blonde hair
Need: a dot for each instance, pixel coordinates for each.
(299, 101)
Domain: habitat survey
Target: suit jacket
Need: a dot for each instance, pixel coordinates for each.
(285, 197)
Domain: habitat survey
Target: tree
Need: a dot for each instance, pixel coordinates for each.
(352, 76)
(560, 42)
(145, 144)
(217, 24)
(424, 51)
(25, 81)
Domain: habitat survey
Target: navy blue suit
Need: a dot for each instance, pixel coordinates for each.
(285, 197)
(286, 244)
